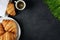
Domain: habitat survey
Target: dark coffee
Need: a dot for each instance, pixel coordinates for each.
(20, 5)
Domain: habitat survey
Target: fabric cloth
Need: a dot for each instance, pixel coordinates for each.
(37, 22)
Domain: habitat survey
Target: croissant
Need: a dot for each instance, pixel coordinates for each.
(10, 26)
(7, 36)
(8, 30)
(1, 29)
(10, 9)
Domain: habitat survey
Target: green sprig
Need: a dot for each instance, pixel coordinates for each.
(54, 6)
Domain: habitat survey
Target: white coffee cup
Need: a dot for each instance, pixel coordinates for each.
(16, 4)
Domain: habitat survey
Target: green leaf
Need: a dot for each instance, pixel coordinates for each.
(54, 6)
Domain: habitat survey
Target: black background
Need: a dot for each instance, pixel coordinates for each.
(37, 22)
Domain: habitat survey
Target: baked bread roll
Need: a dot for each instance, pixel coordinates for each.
(10, 9)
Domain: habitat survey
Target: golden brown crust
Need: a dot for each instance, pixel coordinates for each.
(9, 25)
(10, 9)
(8, 30)
(1, 29)
(4, 23)
(7, 36)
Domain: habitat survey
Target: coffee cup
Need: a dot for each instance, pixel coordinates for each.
(20, 4)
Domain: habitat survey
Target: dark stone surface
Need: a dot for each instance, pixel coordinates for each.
(37, 22)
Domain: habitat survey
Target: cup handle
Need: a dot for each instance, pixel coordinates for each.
(20, 0)
(15, 1)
